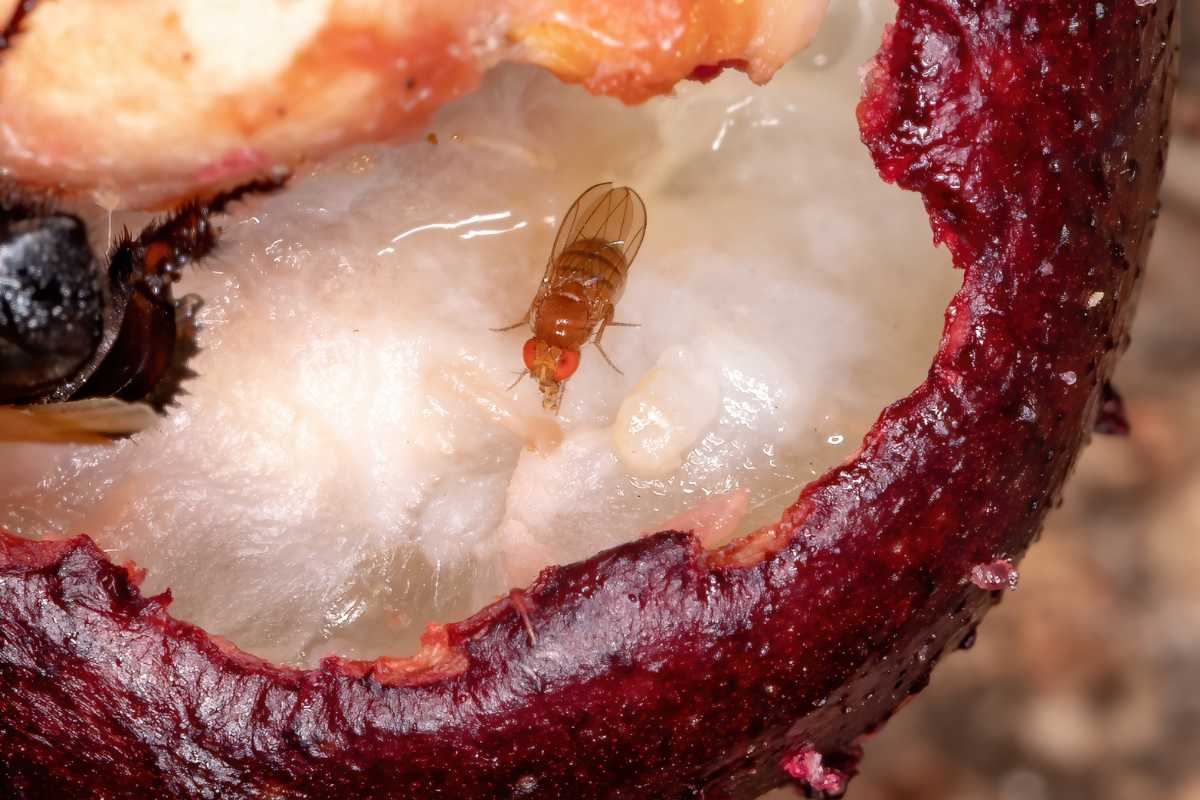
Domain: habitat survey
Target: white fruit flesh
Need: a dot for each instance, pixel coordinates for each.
(350, 464)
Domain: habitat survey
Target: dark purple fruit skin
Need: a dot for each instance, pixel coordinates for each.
(1036, 132)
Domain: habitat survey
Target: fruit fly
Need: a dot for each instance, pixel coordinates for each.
(83, 346)
(598, 239)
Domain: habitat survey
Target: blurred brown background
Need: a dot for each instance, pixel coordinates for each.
(1085, 682)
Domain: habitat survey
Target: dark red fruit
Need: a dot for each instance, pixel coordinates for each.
(708, 72)
(1036, 132)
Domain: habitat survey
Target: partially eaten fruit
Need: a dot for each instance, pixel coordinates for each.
(659, 668)
(359, 457)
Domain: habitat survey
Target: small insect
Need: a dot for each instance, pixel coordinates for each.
(82, 345)
(598, 239)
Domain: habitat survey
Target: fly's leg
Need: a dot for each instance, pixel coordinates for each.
(520, 377)
(605, 323)
(608, 360)
(522, 321)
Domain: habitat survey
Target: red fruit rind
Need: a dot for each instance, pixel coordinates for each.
(1036, 133)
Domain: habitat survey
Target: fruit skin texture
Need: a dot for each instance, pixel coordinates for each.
(1036, 133)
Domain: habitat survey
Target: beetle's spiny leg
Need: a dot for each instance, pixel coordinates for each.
(165, 247)
(169, 388)
(14, 22)
(147, 357)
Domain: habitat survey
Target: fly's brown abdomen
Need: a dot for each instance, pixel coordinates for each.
(600, 235)
(598, 267)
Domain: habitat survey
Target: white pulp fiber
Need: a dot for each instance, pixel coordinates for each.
(350, 464)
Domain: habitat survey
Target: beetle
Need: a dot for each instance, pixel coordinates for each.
(73, 329)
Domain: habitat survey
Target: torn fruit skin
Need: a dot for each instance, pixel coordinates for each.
(1036, 133)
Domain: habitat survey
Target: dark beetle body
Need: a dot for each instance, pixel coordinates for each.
(51, 303)
(69, 332)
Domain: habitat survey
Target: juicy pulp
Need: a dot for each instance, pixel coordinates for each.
(350, 466)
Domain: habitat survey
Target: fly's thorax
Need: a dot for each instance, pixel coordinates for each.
(563, 320)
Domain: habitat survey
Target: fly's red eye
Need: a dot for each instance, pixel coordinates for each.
(568, 362)
(529, 353)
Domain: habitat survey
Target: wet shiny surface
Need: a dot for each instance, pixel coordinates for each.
(657, 669)
(350, 464)
(1081, 684)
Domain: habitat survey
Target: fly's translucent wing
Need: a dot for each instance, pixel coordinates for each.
(613, 215)
(572, 221)
(79, 421)
(568, 231)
